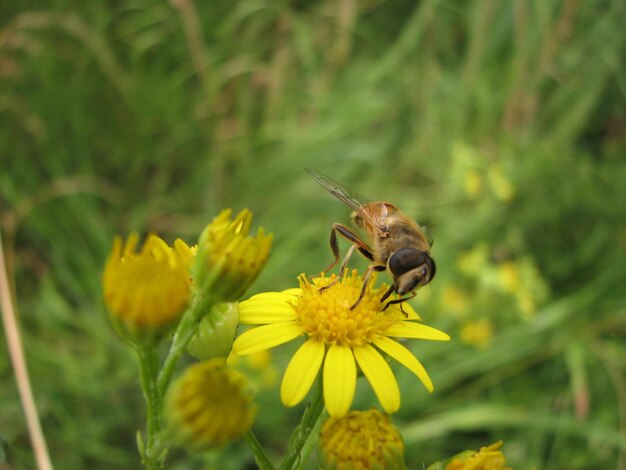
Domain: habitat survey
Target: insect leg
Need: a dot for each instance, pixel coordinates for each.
(400, 301)
(391, 290)
(357, 243)
(350, 236)
(342, 268)
(366, 280)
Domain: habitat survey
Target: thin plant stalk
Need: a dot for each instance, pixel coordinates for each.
(301, 434)
(186, 329)
(16, 351)
(262, 460)
(152, 455)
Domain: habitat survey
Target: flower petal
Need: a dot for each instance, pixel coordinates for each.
(339, 380)
(407, 329)
(380, 376)
(285, 295)
(294, 292)
(265, 337)
(301, 372)
(405, 357)
(255, 310)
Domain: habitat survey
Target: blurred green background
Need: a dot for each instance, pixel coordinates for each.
(500, 125)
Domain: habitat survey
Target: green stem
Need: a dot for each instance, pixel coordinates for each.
(185, 330)
(300, 435)
(152, 456)
(260, 456)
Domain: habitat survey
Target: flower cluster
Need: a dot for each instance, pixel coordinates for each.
(195, 291)
(158, 288)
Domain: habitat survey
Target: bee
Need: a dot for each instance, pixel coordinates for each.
(397, 243)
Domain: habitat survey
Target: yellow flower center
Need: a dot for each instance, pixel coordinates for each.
(361, 440)
(327, 315)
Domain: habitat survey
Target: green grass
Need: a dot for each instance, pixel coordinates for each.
(123, 116)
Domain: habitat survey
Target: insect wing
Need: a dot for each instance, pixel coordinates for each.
(353, 200)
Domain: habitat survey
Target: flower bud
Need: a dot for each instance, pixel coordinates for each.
(208, 406)
(487, 458)
(228, 260)
(146, 292)
(361, 439)
(216, 332)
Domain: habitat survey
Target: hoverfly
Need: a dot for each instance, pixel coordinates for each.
(397, 243)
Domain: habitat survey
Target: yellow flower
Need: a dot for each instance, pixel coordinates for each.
(477, 333)
(228, 260)
(338, 338)
(454, 300)
(474, 260)
(208, 406)
(146, 292)
(257, 366)
(473, 183)
(500, 184)
(361, 440)
(509, 276)
(487, 458)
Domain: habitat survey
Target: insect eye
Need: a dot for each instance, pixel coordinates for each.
(405, 259)
(432, 268)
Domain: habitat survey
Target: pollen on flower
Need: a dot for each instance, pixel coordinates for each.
(361, 440)
(147, 291)
(326, 315)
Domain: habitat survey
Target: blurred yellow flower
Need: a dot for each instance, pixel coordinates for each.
(228, 260)
(477, 333)
(487, 458)
(522, 280)
(338, 338)
(474, 260)
(208, 406)
(361, 440)
(466, 156)
(258, 367)
(187, 253)
(454, 300)
(146, 292)
(508, 275)
(500, 184)
(260, 359)
(473, 183)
